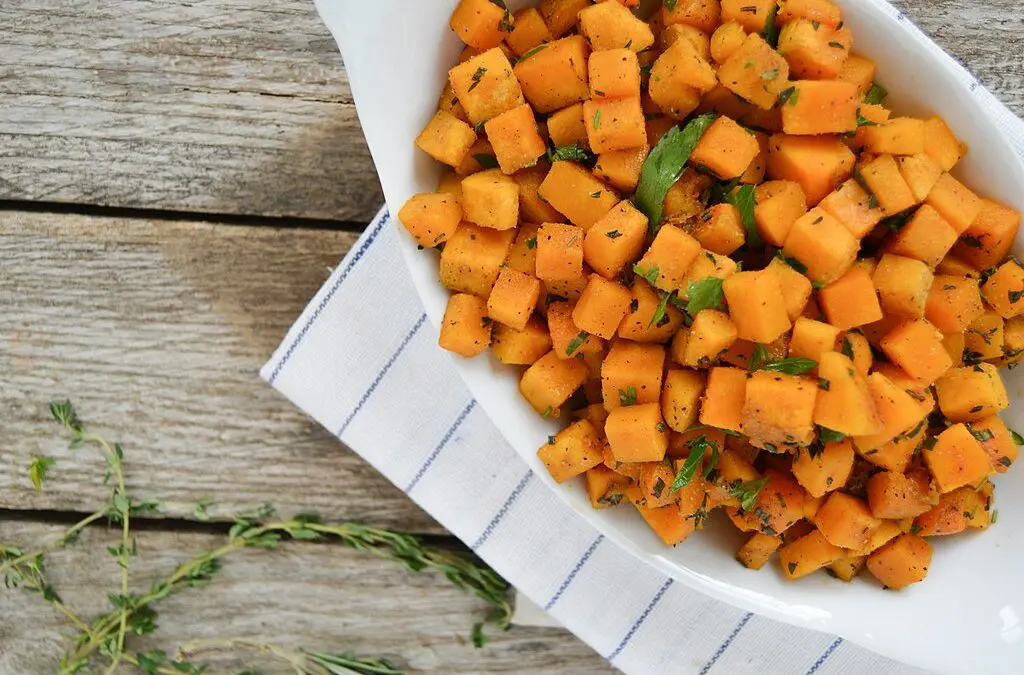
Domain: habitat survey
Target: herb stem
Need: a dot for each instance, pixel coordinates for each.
(56, 543)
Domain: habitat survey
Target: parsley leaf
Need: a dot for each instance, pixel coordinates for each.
(486, 161)
(1017, 438)
(649, 275)
(664, 166)
(759, 356)
(876, 94)
(659, 313)
(698, 446)
(830, 436)
(761, 359)
(569, 152)
(704, 294)
(792, 262)
(747, 492)
(743, 199)
(771, 28)
(627, 397)
(576, 342)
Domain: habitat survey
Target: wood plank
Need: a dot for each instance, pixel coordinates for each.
(217, 106)
(318, 596)
(229, 107)
(156, 330)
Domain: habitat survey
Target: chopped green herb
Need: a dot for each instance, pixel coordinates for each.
(1017, 438)
(576, 342)
(981, 435)
(747, 492)
(792, 567)
(597, 118)
(771, 27)
(847, 348)
(531, 243)
(670, 5)
(660, 314)
(830, 436)
(569, 152)
(876, 94)
(743, 199)
(824, 384)
(837, 45)
(704, 294)
(533, 51)
(915, 528)
(792, 262)
(785, 95)
(476, 78)
(547, 412)
(1015, 296)
(613, 234)
(698, 446)
(627, 397)
(649, 275)
(659, 487)
(994, 517)
(664, 166)
(1005, 461)
(486, 161)
(595, 195)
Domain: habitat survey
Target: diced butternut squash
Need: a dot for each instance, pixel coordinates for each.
(950, 515)
(941, 145)
(708, 265)
(576, 449)
(815, 51)
(796, 288)
(860, 71)
(844, 402)
(600, 309)
(726, 39)
(901, 562)
(446, 138)
(615, 240)
(614, 123)
(903, 286)
(513, 135)
(882, 178)
(758, 550)
(955, 202)
(896, 136)
(610, 26)
(614, 73)
(726, 149)
(486, 86)
(566, 127)
(532, 207)
(853, 207)
(568, 340)
(481, 23)
(678, 78)
(997, 441)
(680, 398)
(711, 334)
(472, 258)
(756, 305)
(724, 398)
(755, 72)
(669, 258)
(826, 469)
(431, 217)
(641, 324)
(821, 107)
(465, 328)
(637, 433)
(916, 347)
(704, 15)
(846, 569)
(559, 252)
(491, 199)
(989, 238)
(851, 301)
(550, 381)
(926, 236)
(575, 192)
(921, 172)
(720, 229)
(953, 303)
(655, 481)
(778, 205)
(523, 347)
(823, 245)
(808, 554)
(817, 163)
(824, 12)
(811, 339)
(778, 410)
(605, 487)
(1004, 290)
(513, 298)
(621, 168)
(631, 373)
(898, 410)
(556, 76)
(894, 495)
(957, 459)
(846, 521)
(984, 338)
(972, 393)
(530, 31)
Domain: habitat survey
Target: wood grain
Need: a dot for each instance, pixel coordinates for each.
(156, 330)
(217, 106)
(228, 107)
(318, 596)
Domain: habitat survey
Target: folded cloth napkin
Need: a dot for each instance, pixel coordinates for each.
(363, 361)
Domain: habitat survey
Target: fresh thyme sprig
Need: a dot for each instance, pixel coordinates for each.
(134, 614)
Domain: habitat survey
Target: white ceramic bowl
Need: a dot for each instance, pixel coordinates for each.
(966, 617)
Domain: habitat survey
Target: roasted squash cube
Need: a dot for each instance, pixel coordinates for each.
(921, 172)
(916, 347)
(897, 409)
(575, 192)
(988, 240)
(513, 135)
(844, 402)
(901, 562)
(896, 136)
(823, 245)
(551, 380)
(883, 179)
(614, 73)
(642, 325)
(632, 372)
(609, 25)
(637, 433)
(472, 258)
(431, 217)
(669, 258)
(491, 199)
(817, 163)
(895, 495)
(758, 550)
(556, 76)
(753, 15)
(712, 333)
(521, 347)
(903, 286)
(513, 298)
(760, 82)
(616, 240)
(825, 470)
(465, 328)
(446, 138)
(1004, 290)
(955, 202)
(680, 398)
(724, 398)
(851, 301)
(846, 521)
(970, 394)
(808, 554)
(576, 449)
(600, 309)
(756, 305)
(622, 168)
(486, 86)
(778, 205)
(530, 31)
(561, 15)
(614, 123)
(815, 51)
(821, 107)
(726, 149)
(926, 237)
(778, 410)
(941, 145)
(811, 339)
(957, 459)
(481, 23)
(953, 303)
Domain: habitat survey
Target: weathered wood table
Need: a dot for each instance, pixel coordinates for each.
(177, 179)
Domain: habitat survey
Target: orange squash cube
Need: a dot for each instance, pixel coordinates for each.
(600, 309)
(756, 305)
(609, 25)
(927, 237)
(882, 178)
(941, 145)
(472, 258)
(465, 328)
(955, 202)
(957, 459)
(814, 51)
(614, 124)
(431, 217)
(984, 337)
(513, 135)
(568, 339)
(576, 449)
(681, 31)
(894, 495)
(763, 80)
(622, 168)
(796, 288)
(701, 14)
(821, 107)
(605, 487)
(808, 554)
(990, 237)
(637, 433)
(566, 127)
(631, 372)
(708, 265)
(532, 207)
(852, 206)
(655, 481)
(897, 136)
(860, 71)
(726, 149)
(897, 409)
(755, 171)
(521, 348)
(561, 15)
(916, 347)
(823, 11)
(615, 240)
(575, 192)
(845, 403)
(822, 244)
(559, 252)
(1004, 290)
(901, 562)
(481, 23)
(446, 138)
(971, 394)
(712, 333)
(997, 441)
(921, 172)
(522, 257)
(953, 303)
(826, 470)
(678, 77)
(530, 31)
(680, 398)
(669, 258)
(550, 381)
(851, 301)
(903, 286)
(778, 410)
(726, 39)
(817, 163)
(640, 326)
(491, 199)
(778, 205)
(756, 552)
(614, 73)
(724, 398)
(556, 76)
(486, 86)
(811, 339)
(753, 16)
(513, 298)
(846, 521)
(720, 229)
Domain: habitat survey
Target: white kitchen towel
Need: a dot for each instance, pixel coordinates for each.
(362, 360)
